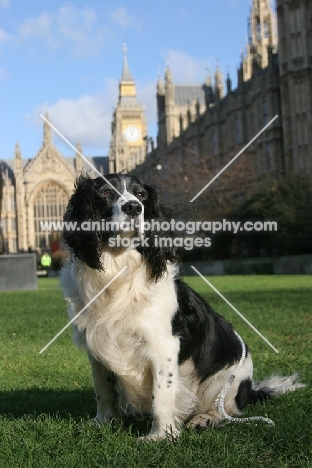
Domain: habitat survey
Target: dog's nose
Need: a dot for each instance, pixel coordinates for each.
(132, 208)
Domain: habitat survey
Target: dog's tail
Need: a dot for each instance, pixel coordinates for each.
(272, 386)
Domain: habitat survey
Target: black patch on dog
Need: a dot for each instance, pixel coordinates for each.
(205, 337)
(243, 394)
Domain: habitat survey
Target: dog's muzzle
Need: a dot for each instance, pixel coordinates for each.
(132, 208)
(128, 206)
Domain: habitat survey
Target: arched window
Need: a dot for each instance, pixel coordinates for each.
(265, 110)
(49, 205)
(258, 29)
(214, 137)
(266, 30)
(237, 129)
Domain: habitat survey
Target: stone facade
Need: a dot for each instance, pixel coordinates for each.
(295, 60)
(43, 188)
(8, 210)
(38, 190)
(213, 125)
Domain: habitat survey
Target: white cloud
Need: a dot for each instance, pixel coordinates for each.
(86, 119)
(123, 19)
(40, 27)
(5, 3)
(77, 27)
(80, 27)
(3, 74)
(3, 35)
(184, 67)
(146, 94)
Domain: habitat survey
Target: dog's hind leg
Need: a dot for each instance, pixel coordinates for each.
(235, 398)
(105, 392)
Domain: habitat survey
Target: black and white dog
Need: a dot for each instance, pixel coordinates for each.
(155, 346)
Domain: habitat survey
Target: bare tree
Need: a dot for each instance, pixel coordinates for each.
(186, 171)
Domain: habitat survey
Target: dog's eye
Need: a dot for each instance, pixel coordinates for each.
(106, 192)
(140, 195)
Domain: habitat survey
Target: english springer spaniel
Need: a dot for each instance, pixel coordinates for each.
(154, 345)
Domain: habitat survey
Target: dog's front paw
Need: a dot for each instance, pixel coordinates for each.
(158, 434)
(96, 422)
(104, 420)
(150, 437)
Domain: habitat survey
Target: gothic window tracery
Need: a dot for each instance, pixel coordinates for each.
(237, 129)
(258, 29)
(49, 205)
(214, 142)
(265, 110)
(266, 30)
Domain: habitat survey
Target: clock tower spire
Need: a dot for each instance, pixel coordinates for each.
(127, 88)
(126, 75)
(127, 146)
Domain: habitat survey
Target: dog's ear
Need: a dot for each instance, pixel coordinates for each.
(84, 205)
(153, 209)
(160, 249)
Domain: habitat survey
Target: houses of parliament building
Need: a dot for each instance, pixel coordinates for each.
(210, 120)
(214, 122)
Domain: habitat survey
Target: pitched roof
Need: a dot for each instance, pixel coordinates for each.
(185, 94)
(129, 101)
(99, 162)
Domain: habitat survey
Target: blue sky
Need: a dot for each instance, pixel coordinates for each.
(66, 57)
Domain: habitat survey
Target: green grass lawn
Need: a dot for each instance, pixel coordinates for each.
(47, 401)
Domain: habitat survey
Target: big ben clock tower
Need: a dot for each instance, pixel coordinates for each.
(128, 142)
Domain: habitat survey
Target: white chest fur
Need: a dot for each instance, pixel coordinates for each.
(129, 320)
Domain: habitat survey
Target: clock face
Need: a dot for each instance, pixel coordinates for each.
(132, 133)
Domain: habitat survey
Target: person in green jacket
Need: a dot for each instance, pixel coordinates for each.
(46, 261)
